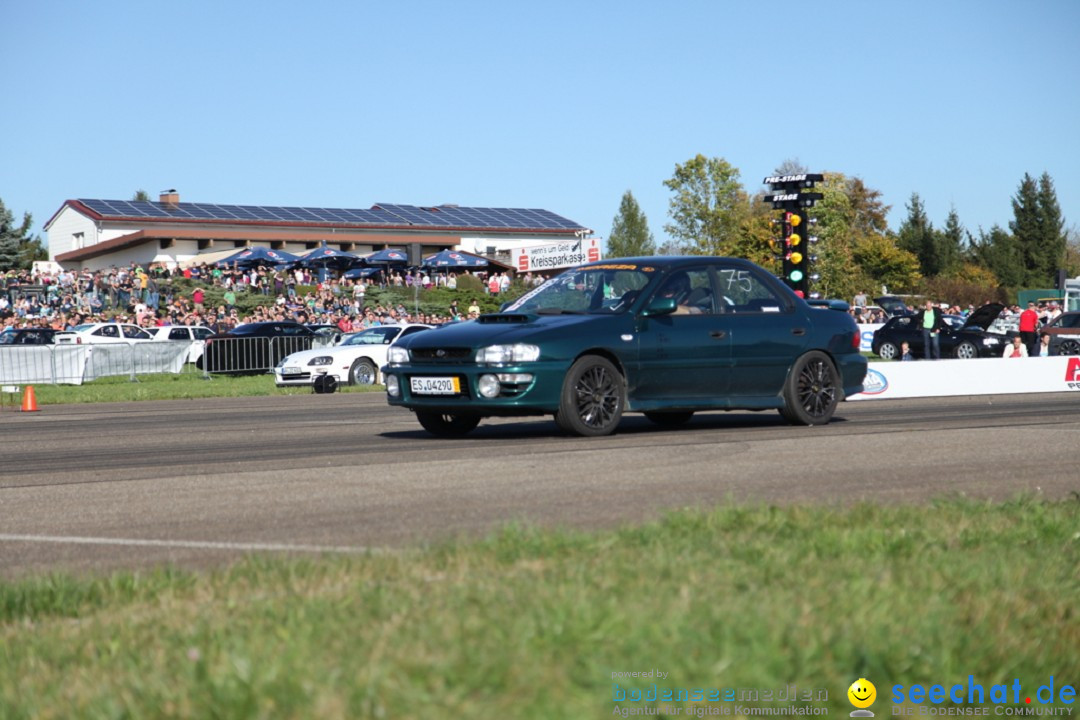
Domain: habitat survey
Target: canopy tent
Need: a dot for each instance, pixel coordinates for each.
(328, 257)
(360, 272)
(250, 257)
(455, 258)
(390, 256)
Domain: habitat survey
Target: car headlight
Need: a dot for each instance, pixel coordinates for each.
(397, 356)
(508, 353)
(321, 360)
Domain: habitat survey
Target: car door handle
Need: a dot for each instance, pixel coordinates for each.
(798, 331)
(718, 334)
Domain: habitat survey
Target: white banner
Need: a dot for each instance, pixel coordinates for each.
(866, 334)
(557, 255)
(987, 376)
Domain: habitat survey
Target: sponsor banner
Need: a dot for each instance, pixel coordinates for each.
(557, 255)
(988, 376)
(866, 335)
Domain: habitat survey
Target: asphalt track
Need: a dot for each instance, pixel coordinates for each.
(86, 488)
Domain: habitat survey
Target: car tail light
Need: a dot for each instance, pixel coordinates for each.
(856, 340)
(78, 341)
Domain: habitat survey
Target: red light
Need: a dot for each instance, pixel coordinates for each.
(800, 294)
(856, 341)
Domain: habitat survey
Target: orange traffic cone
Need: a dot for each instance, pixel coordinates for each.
(29, 401)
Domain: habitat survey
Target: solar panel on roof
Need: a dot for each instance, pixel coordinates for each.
(443, 216)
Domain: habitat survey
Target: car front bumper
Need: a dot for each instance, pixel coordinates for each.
(524, 389)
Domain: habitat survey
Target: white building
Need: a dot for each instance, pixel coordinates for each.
(96, 234)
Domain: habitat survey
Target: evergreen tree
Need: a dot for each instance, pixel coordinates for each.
(1052, 226)
(1026, 228)
(630, 235)
(12, 238)
(917, 237)
(950, 244)
(140, 196)
(999, 252)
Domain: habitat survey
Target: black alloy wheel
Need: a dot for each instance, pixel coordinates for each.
(811, 391)
(593, 398)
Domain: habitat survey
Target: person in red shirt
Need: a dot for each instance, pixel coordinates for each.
(1029, 325)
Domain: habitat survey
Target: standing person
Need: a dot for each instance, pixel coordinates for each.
(931, 322)
(1029, 324)
(1018, 349)
(197, 298)
(860, 299)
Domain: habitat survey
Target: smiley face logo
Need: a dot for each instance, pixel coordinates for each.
(862, 693)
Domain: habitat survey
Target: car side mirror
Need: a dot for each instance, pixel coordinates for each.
(660, 306)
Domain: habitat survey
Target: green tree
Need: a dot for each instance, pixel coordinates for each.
(916, 235)
(879, 257)
(140, 196)
(950, 244)
(1026, 229)
(1052, 225)
(708, 207)
(1000, 253)
(630, 235)
(13, 239)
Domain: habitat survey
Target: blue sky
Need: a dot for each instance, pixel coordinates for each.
(558, 105)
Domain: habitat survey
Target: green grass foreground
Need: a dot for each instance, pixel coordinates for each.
(532, 624)
(188, 385)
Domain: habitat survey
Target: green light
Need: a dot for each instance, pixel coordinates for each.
(796, 276)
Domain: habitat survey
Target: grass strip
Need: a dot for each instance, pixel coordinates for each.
(531, 623)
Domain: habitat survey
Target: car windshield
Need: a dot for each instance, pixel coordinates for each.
(609, 288)
(374, 336)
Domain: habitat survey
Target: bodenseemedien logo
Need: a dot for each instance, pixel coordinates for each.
(862, 695)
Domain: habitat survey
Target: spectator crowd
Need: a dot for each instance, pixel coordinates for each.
(149, 296)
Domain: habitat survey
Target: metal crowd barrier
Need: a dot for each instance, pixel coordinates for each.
(76, 364)
(249, 354)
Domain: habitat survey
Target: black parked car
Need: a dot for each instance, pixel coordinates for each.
(970, 340)
(27, 336)
(254, 347)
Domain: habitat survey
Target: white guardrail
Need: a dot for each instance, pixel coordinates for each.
(986, 376)
(76, 364)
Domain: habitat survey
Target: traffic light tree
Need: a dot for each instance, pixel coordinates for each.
(793, 197)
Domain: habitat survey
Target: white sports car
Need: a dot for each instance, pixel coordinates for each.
(355, 360)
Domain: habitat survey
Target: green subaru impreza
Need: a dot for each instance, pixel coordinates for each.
(664, 336)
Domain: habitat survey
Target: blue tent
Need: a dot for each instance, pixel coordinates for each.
(250, 257)
(455, 258)
(361, 272)
(325, 256)
(390, 256)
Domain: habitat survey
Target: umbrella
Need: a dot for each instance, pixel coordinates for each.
(390, 256)
(455, 258)
(257, 256)
(361, 272)
(328, 257)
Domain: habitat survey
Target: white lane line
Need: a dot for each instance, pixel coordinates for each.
(194, 544)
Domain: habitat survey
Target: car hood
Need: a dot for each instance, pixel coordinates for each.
(504, 328)
(984, 317)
